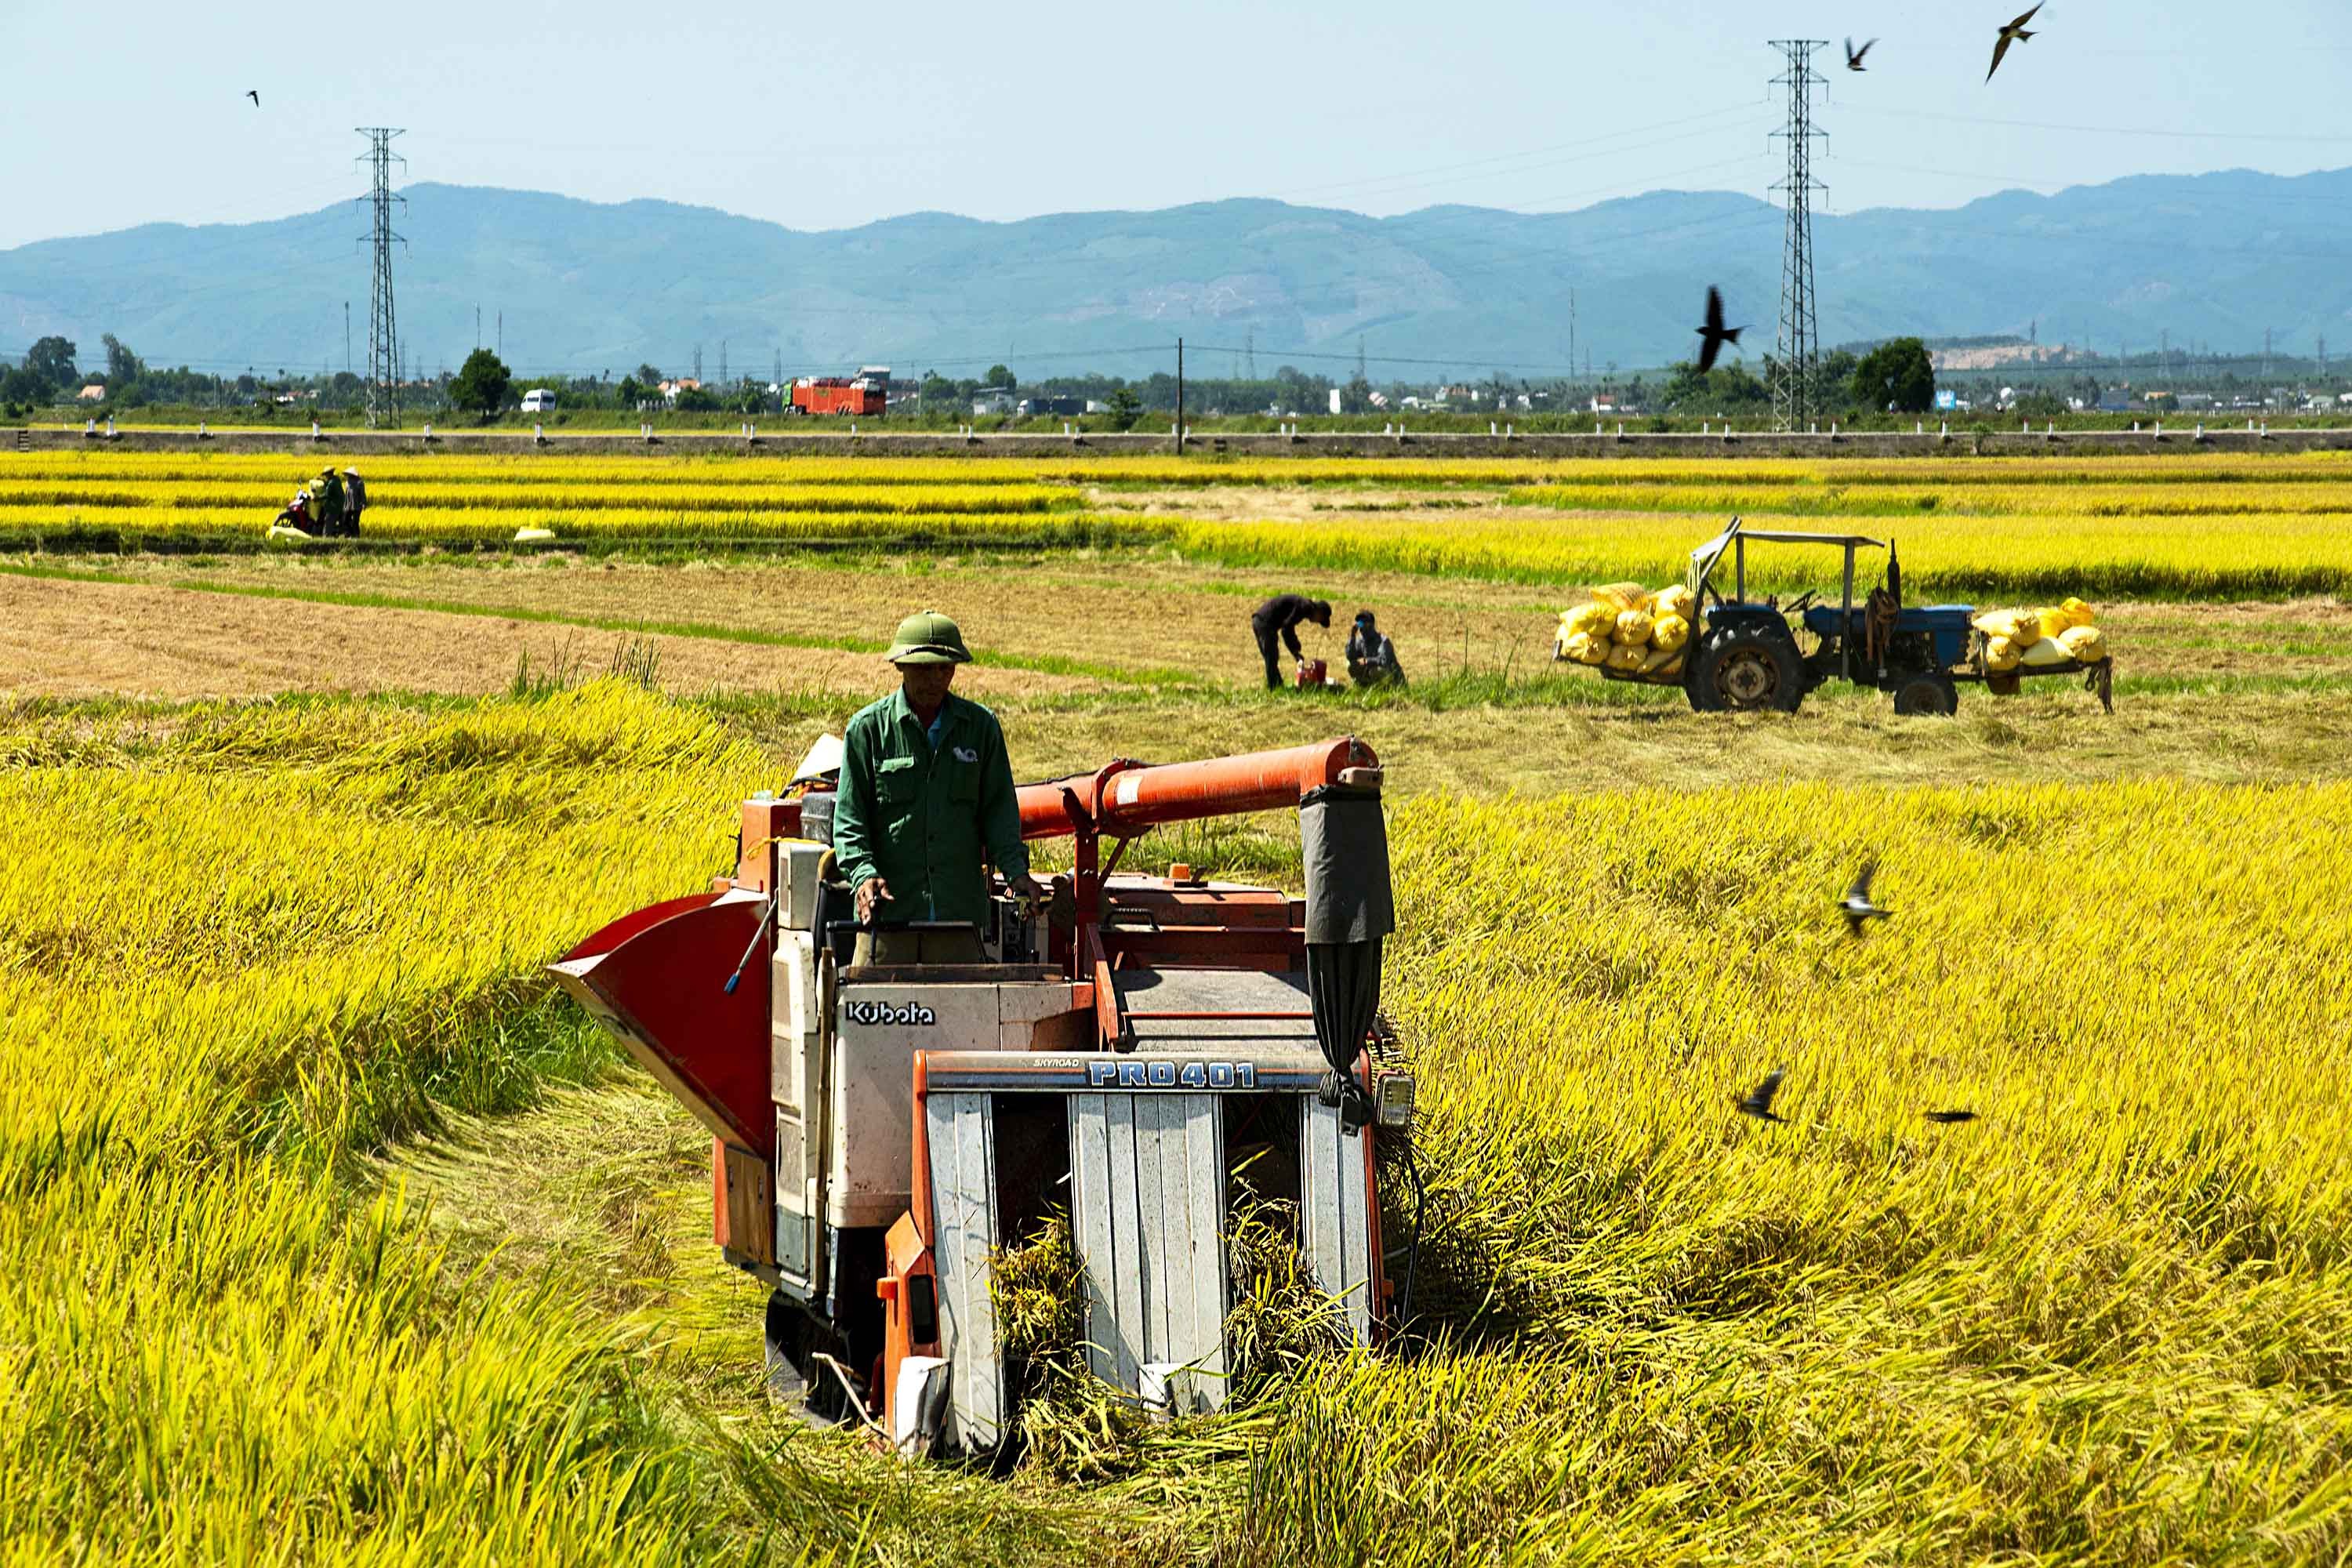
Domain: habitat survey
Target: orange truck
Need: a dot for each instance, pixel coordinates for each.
(867, 393)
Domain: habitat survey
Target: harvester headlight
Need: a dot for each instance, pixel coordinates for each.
(1392, 1096)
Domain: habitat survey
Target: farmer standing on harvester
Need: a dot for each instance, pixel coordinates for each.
(926, 788)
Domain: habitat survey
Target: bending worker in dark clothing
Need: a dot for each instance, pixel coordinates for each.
(1279, 617)
(926, 787)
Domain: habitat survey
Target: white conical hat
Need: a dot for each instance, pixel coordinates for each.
(824, 759)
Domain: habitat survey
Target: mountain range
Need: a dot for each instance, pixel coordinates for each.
(566, 285)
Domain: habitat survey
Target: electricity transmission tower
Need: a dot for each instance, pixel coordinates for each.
(1796, 352)
(383, 354)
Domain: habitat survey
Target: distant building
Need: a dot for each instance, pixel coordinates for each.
(992, 402)
(93, 393)
(1038, 405)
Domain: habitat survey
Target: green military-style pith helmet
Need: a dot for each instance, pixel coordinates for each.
(928, 638)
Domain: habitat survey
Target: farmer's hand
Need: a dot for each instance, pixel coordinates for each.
(1027, 888)
(872, 892)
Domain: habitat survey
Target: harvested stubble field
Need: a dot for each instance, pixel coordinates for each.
(329, 1233)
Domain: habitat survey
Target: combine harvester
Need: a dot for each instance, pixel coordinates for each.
(880, 1130)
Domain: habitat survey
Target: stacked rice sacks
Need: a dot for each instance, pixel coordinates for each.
(1628, 629)
(2036, 639)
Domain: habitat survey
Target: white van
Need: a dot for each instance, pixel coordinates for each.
(539, 400)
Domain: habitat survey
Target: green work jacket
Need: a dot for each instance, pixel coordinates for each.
(920, 819)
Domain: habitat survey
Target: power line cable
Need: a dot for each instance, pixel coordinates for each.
(2108, 130)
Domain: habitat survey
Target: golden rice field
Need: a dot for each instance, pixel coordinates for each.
(2110, 1321)
(2191, 526)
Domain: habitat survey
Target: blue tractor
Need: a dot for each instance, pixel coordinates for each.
(1744, 655)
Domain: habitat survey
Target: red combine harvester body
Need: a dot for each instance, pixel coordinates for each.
(863, 395)
(1122, 1055)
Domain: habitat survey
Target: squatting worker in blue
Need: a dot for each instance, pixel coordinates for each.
(926, 790)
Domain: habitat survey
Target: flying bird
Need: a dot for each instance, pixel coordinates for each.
(1857, 906)
(1949, 1117)
(1714, 334)
(1854, 56)
(2014, 33)
(1757, 1101)
(254, 93)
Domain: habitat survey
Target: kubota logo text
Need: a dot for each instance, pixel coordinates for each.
(906, 1015)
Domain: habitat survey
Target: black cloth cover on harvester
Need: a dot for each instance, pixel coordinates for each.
(1349, 909)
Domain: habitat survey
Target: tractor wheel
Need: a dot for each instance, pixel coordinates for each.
(1746, 670)
(1927, 692)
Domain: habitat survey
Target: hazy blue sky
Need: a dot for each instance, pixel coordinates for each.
(821, 116)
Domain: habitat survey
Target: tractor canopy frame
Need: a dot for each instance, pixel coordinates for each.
(1733, 541)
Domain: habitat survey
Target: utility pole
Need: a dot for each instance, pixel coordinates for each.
(383, 352)
(779, 367)
(2266, 353)
(1180, 395)
(1797, 349)
(1249, 352)
(697, 365)
(2323, 354)
(1571, 331)
(347, 337)
(723, 361)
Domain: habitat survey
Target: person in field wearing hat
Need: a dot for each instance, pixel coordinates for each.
(926, 792)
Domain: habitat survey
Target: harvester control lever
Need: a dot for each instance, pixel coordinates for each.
(767, 913)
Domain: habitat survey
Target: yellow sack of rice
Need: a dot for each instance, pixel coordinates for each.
(1633, 628)
(2019, 627)
(1586, 648)
(1595, 619)
(2042, 654)
(1668, 632)
(2077, 613)
(1671, 601)
(1623, 596)
(2002, 655)
(2084, 644)
(1626, 656)
(2052, 623)
(1663, 660)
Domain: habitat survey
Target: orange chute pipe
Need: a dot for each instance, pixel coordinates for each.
(1124, 798)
